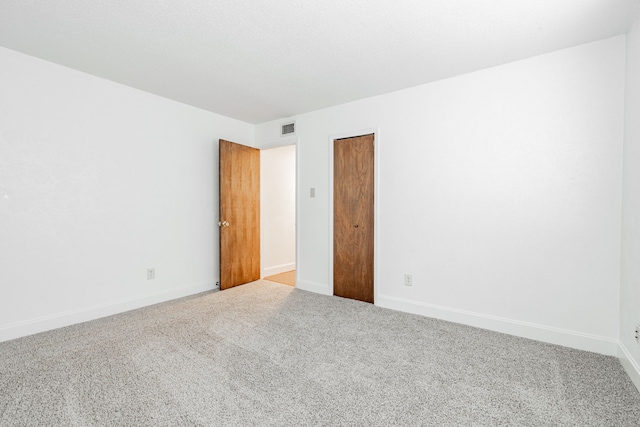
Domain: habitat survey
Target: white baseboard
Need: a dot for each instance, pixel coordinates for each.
(319, 288)
(564, 337)
(629, 364)
(277, 269)
(59, 320)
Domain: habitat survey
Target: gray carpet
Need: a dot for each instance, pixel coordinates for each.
(269, 354)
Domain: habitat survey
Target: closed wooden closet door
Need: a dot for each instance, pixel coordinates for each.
(353, 217)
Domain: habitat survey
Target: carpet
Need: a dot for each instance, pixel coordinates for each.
(267, 354)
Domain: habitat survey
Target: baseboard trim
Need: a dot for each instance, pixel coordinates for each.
(552, 335)
(277, 269)
(319, 288)
(629, 364)
(85, 314)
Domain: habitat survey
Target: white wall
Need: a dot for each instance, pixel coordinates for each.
(278, 209)
(630, 283)
(499, 191)
(98, 182)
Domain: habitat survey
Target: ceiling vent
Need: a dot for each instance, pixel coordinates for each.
(288, 129)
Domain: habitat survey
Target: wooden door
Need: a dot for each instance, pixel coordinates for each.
(353, 216)
(239, 214)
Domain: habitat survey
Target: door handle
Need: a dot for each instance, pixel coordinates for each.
(223, 224)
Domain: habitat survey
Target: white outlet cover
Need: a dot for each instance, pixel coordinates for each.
(408, 280)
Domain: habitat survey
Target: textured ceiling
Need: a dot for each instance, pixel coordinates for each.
(258, 60)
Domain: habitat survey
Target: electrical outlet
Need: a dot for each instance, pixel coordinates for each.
(151, 273)
(408, 280)
(638, 333)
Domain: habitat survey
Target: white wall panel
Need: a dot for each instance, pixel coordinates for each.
(99, 182)
(630, 281)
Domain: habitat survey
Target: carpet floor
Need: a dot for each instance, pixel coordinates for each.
(267, 354)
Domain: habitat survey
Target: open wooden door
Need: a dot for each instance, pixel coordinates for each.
(239, 214)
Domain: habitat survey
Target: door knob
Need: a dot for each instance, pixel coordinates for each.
(223, 224)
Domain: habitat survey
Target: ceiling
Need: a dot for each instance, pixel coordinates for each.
(258, 60)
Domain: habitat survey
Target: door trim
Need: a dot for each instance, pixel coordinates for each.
(376, 203)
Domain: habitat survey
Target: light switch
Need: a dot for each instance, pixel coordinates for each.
(312, 193)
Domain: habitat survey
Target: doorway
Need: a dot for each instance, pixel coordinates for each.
(278, 214)
(256, 239)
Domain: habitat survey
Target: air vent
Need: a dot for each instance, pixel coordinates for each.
(288, 129)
